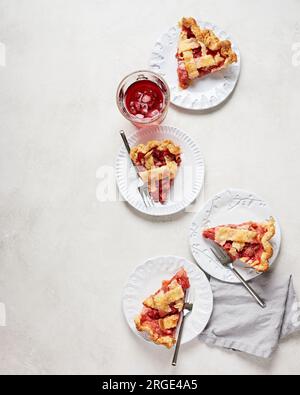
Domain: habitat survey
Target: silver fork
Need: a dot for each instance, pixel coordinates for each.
(187, 309)
(226, 261)
(142, 187)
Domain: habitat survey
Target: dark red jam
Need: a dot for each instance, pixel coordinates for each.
(144, 99)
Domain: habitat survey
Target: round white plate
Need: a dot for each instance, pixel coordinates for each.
(204, 93)
(232, 206)
(187, 184)
(147, 279)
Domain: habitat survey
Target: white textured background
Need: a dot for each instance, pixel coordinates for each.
(64, 256)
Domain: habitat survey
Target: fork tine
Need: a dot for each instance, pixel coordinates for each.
(143, 196)
(188, 306)
(215, 254)
(148, 196)
(189, 300)
(187, 294)
(220, 254)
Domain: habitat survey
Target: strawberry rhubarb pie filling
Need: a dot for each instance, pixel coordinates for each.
(161, 313)
(248, 242)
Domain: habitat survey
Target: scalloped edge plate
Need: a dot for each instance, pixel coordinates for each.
(189, 180)
(205, 93)
(230, 206)
(147, 278)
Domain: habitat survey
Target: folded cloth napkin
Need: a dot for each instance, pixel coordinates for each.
(240, 324)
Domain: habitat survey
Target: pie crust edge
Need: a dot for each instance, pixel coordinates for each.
(204, 39)
(174, 295)
(261, 265)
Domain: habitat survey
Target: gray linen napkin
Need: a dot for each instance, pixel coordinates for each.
(240, 324)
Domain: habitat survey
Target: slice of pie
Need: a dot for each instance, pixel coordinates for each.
(248, 242)
(161, 313)
(158, 162)
(200, 52)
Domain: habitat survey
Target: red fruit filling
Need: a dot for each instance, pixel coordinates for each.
(252, 251)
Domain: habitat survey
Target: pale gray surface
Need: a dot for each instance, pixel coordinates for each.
(64, 256)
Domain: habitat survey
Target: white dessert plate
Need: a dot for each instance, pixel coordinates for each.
(205, 93)
(232, 206)
(187, 184)
(147, 279)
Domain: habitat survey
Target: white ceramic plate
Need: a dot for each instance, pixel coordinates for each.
(147, 279)
(188, 182)
(229, 207)
(204, 93)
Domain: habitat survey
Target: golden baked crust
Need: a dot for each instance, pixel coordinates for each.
(167, 341)
(262, 265)
(213, 55)
(162, 300)
(169, 322)
(237, 235)
(147, 151)
(158, 162)
(248, 242)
